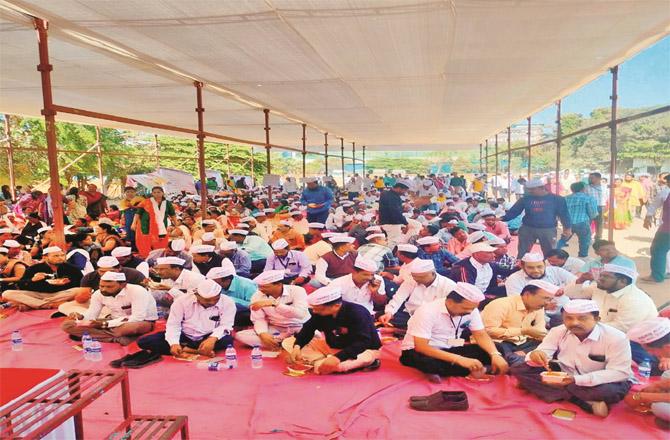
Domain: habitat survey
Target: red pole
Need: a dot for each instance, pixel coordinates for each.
(558, 147)
(268, 166)
(158, 151)
(342, 156)
(353, 156)
(49, 113)
(98, 149)
(613, 150)
(10, 158)
(304, 152)
(497, 183)
(364, 169)
(201, 149)
(509, 163)
(529, 148)
(325, 150)
(486, 153)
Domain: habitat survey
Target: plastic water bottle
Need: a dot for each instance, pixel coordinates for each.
(256, 357)
(231, 357)
(95, 351)
(17, 341)
(214, 366)
(644, 370)
(86, 340)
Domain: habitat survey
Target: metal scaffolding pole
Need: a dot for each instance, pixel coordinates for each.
(529, 148)
(251, 159)
(49, 113)
(342, 156)
(365, 170)
(353, 156)
(10, 158)
(304, 152)
(509, 163)
(613, 150)
(228, 158)
(481, 160)
(268, 165)
(497, 177)
(98, 152)
(157, 147)
(201, 149)
(486, 152)
(325, 150)
(557, 178)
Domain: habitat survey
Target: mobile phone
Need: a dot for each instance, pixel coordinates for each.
(563, 414)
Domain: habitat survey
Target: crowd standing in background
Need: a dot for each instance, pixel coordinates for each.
(315, 270)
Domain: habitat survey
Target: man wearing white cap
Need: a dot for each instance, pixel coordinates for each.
(541, 210)
(481, 271)
(335, 264)
(654, 336)
(208, 225)
(298, 222)
(494, 226)
(263, 227)
(293, 263)
(595, 356)
(622, 304)
(427, 189)
(238, 288)
(363, 286)
(286, 231)
(318, 199)
(377, 250)
(406, 253)
(350, 340)
(201, 320)
(126, 258)
(533, 267)
(132, 312)
(424, 285)
(278, 311)
(516, 323)
(205, 258)
(257, 248)
(430, 248)
(239, 257)
(435, 338)
(316, 245)
(175, 248)
(175, 282)
(48, 284)
(12, 270)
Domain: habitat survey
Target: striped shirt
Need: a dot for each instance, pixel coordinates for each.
(597, 193)
(581, 207)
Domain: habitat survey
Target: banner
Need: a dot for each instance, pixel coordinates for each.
(172, 181)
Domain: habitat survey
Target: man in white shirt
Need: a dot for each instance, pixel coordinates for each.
(622, 304)
(132, 312)
(434, 342)
(560, 258)
(406, 253)
(264, 227)
(363, 286)
(423, 286)
(277, 311)
(201, 321)
(595, 356)
(175, 281)
(319, 246)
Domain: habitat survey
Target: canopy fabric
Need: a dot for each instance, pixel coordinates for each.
(391, 74)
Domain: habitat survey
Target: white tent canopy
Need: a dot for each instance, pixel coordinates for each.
(388, 74)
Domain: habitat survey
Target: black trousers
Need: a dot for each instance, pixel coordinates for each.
(427, 364)
(156, 342)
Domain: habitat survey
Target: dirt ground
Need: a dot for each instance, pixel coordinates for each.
(634, 243)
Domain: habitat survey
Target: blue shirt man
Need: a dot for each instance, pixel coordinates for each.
(318, 200)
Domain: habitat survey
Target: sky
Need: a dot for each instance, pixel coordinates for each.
(644, 81)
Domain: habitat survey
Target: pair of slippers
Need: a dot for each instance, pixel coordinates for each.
(139, 359)
(440, 401)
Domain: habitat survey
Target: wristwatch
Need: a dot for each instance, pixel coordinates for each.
(494, 353)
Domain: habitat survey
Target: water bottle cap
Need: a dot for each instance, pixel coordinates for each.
(230, 346)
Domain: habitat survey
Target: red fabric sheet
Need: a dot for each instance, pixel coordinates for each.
(248, 403)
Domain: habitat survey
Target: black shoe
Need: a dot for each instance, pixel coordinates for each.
(437, 395)
(448, 401)
(75, 338)
(57, 315)
(118, 363)
(143, 359)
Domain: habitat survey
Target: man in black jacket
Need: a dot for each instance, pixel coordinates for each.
(351, 340)
(48, 284)
(390, 212)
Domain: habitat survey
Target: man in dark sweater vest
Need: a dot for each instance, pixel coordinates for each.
(541, 210)
(337, 263)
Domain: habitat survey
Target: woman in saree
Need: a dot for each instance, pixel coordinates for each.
(622, 218)
(151, 221)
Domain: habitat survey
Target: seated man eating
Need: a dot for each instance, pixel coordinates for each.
(435, 343)
(351, 340)
(595, 356)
